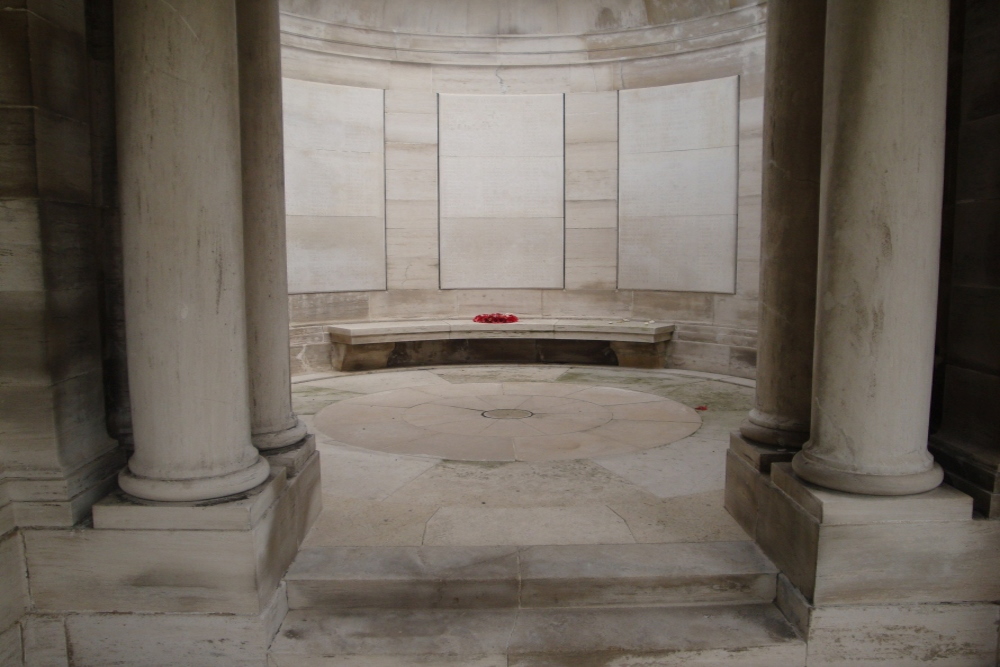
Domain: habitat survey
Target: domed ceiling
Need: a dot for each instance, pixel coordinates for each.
(508, 17)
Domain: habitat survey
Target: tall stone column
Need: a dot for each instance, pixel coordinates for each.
(793, 112)
(884, 93)
(274, 425)
(182, 229)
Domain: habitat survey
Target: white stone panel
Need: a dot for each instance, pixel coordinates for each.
(684, 254)
(334, 187)
(335, 254)
(334, 150)
(501, 191)
(501, 253)
(324, 116)
(678, 187)
(678, 183)
(501, 187)
(501, 125)
(684, 116)
(328, 182)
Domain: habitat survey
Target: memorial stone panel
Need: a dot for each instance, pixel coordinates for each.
(501, 191)
(678, 177)
(335, 187)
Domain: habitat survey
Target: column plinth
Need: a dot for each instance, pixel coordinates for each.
(773, 430)
(793, 109)
(885, 84)
(273, 423)
(182, 238)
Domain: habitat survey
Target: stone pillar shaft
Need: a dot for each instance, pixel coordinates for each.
(274, 425)
(885, 86)
(180, 182)
(793, 111)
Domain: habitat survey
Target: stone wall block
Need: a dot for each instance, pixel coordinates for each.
(328, 306)
(13, 580)
(673, 306)
(979, 160)
(18, 174)
(15, 85)
(63, 158)
(944, 634)
(59, 64)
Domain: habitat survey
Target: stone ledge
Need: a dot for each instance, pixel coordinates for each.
(392, 331)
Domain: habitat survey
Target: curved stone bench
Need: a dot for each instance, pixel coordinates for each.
(369, 345)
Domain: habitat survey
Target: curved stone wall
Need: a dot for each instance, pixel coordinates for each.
(374, 99)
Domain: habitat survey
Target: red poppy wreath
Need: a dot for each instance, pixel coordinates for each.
(495, 318)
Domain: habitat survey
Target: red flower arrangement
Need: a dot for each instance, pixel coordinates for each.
(495, 318)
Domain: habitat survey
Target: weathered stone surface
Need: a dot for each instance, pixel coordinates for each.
(947, 634)
(11, 650)
(200, 640)
(118, 512)
(833, 508)
(404, 577)
(13, 580)
(178, 571)
(644, 574)
(45, 641)
(668, 633)
(743, 635)
(872, 381)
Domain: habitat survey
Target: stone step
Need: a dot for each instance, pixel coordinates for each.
(732, 634)
(532, 577)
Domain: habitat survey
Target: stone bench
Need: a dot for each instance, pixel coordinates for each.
(369, 345)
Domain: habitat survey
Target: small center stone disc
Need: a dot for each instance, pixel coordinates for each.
(507, 414)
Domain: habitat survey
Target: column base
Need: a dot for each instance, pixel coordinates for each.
(283, 438)
(813, 470)
(773, 431)
(187, 490)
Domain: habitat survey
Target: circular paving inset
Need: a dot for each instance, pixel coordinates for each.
(524, 421)
(505, 413)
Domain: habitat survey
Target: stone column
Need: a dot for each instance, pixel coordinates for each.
(274, 425)
(885, 83)
(793, 112)
(182, 229)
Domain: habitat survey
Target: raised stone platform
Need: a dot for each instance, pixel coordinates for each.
(373, 345)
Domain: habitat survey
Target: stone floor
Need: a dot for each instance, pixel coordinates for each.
(606, 455)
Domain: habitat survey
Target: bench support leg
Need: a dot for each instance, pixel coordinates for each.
(367, 357)
(640, 355)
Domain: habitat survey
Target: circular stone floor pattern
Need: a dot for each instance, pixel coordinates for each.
(522, 421)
